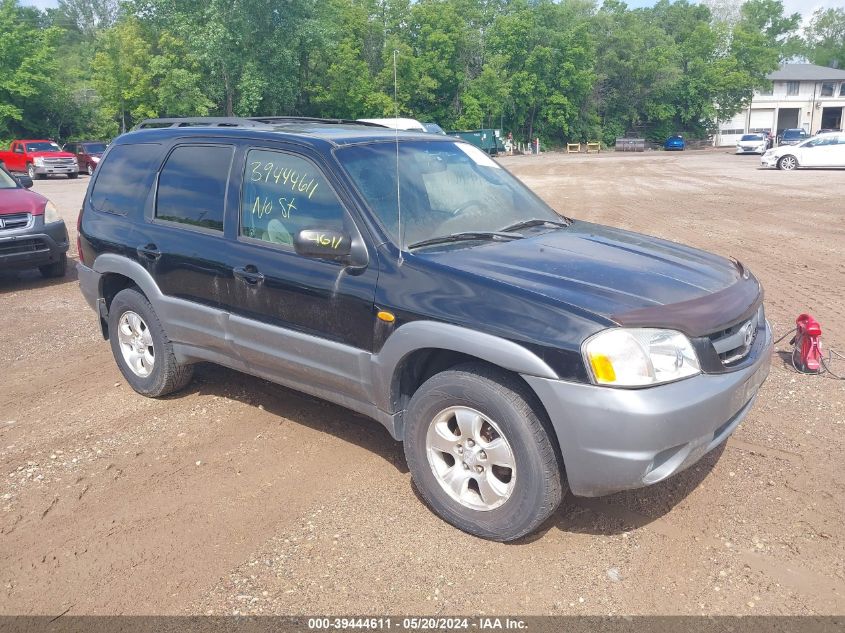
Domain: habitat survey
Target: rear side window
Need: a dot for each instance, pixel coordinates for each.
(192, 186)
(124, 179)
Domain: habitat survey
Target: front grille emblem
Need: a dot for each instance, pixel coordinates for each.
(748, 331)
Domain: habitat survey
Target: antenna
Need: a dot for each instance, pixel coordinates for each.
(396, 139)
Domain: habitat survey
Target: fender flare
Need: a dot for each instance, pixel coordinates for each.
(418, 335)
(121, 265)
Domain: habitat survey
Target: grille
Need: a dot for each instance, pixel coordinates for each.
(734, 343)
(14, 221)
(30, 245)
(58, 161)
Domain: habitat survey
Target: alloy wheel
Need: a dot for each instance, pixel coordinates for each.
(136, 344)
(471, 458)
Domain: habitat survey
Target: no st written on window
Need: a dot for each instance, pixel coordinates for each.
(284, 194)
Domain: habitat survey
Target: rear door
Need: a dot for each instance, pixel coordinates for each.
(303, 321)
(182, 243)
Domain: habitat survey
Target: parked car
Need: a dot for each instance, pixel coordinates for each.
(433, 128)
(752, 144)
(514, 351)
(397, 124)
(792, 136)
(32, 235)
(88, 154)
(822, 150)
(675, 143)
(39, 159)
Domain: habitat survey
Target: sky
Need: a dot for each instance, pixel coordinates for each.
(804, 7)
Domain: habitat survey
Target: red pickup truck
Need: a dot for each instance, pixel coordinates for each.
(39, 159)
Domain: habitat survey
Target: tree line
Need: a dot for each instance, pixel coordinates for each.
(567, 70)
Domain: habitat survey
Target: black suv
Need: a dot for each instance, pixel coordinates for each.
(411, 278)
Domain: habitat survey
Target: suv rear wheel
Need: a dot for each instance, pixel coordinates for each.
(141, 348)
(481, 453)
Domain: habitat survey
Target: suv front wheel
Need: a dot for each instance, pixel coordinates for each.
(141, 348)
(481, 452)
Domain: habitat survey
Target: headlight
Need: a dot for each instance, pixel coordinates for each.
(96, 159)
(76, 162)
(635, 357)
(51, 213)
(39, 162)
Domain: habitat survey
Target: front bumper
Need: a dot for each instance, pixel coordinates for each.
(618, 439)
(37, 245)
(47, 170)
(768, 161)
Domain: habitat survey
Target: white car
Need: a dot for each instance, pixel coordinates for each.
(411, 125)
(822, 150)
(752, 144)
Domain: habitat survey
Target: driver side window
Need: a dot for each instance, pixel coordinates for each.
(284, 194)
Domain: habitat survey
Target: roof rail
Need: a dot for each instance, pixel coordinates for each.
(306, 119)
(261, 122)
(200, 121)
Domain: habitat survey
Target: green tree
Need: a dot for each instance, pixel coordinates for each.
(122, 74)
(824, 38)
(27, 63)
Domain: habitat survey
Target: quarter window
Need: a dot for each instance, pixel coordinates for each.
(792, 88)
(124, 179)
(284, 194)
(192, 186)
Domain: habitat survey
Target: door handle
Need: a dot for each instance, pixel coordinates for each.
(149, 252)
(249, 274)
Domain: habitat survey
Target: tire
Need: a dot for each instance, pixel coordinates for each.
(153, 351)
(72, 176)
(787, 162)
(56, 269)
(30, 170)
(520, 498)
(90, 169)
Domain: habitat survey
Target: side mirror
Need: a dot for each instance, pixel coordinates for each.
(328, 244)
(25, 181)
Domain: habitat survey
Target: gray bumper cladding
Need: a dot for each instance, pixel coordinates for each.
(617, 439)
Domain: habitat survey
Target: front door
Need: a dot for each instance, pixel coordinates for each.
(820, 151)
(301, 320)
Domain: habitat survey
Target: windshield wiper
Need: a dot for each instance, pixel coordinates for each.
(525, 224)
(466, 236)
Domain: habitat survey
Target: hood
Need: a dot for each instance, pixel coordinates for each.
(21, 200)
(606, 271)
(59, 154)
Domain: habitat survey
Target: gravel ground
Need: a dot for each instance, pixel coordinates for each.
(239, 496)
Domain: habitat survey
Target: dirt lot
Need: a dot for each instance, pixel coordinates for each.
(241, 496)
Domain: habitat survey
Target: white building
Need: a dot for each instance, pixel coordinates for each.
(802, 96)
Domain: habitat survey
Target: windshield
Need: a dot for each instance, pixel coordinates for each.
(433, 128)
(94, 148)
(793, 134)
(6, 181)
(752, 137)
(445, 188)
(43, 146)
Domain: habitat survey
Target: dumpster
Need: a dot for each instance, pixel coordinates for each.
(489, 140)
(630, 145)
